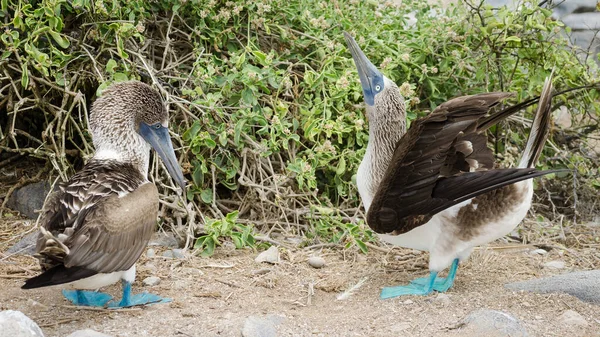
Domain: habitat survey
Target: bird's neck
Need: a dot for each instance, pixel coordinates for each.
(385, 130)
(130, 148)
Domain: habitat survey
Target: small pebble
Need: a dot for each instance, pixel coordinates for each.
(174, 253)
(571, 317)
(556, 264)
(270, 255)
(538, 252)
(442, 298)
(408, 302)
(151, 281)
(36, 304)
(150, 252)
(87, 333)
(150, 266)
(316, 262)
(179, 253)
(261, 271)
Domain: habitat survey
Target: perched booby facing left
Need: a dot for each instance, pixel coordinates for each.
(434, 187)
(97, 224)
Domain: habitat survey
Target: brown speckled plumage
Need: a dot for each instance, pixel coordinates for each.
(102, 218)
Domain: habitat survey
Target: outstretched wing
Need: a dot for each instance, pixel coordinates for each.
(437, 152)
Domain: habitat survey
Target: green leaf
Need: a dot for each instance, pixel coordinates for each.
(24, 76)
(63, 42)
(248, 96)
(110, 66)
(206, 195)
(341, 169)
(198, 176)
(513, 39)
(361, 245)
(260, 56)
(120, 77)
(239, 127)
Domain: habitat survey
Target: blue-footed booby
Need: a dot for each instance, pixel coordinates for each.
(97, 224)
(434, 187)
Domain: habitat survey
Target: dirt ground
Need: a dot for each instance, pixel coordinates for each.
(214, 296)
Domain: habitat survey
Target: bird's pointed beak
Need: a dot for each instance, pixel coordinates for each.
(366, 70)
(160, 141)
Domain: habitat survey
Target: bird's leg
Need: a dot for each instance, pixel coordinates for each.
(86, 298)
(129, 300)
(441, 284)
(410, 289)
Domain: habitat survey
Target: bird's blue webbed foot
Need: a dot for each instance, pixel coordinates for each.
(129, 300)
(410, 289)
(441, 284)
(86, 298)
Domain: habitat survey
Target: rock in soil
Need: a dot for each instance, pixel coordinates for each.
(316, 262)
(26, 246)
(16, 324)
(163, 239)
(87, 333)
(270, 255)
(491, 323)
(29, 199)
(584, 285)
(151, 281)
(555, 264)
(572, 318)
(174, 253)
(255, 326)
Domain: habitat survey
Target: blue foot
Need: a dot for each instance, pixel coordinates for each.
(441, 284)
(86, 298)
(138, 299)
(410, 289)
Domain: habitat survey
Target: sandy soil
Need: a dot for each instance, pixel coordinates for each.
(214, 296)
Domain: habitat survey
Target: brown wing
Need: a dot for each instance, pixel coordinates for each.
(115, 233)
(432, 145)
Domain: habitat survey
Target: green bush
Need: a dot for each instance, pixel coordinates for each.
(265, 95)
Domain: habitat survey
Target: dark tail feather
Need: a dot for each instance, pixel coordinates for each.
(491, 120)
(471, 184)
(539, 128)
(58, 275)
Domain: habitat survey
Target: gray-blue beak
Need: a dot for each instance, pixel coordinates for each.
(370, 78)
(158, 137)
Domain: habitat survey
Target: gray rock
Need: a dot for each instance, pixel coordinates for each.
(256, 326)
(164, 239)
(26, 246)
(442, 298)
(88, 333)
(574, 6)
(16, 324)
(174, 253)
(572, 318)
(584, 285)
(179, 253)
(538, 252)
(583, 21)
(486, 322)
(151, 281)
(270, 255)
(150, 252)
(556, 264)
(29, 199)
(316, 262)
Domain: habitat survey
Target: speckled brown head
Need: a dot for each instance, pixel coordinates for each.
(128, 119)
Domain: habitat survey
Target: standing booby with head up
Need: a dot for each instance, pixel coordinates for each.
(96, 226)
(434, 188)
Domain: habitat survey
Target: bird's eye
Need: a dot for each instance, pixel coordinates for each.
(157, 126)
(377, 88)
